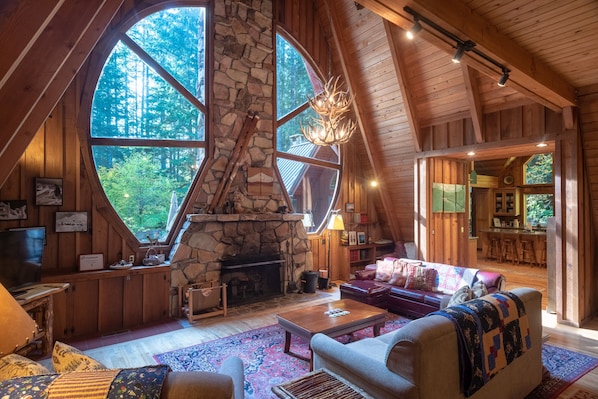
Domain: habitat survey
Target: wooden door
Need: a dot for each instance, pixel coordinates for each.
(133, 301)
(156, 287)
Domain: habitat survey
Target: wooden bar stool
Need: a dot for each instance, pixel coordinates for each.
(528, 252)
(494, 250)
(509, 250)
(542, 260)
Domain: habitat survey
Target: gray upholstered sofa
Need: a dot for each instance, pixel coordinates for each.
(421, 359)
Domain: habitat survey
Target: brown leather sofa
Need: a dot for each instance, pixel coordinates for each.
(416, 303)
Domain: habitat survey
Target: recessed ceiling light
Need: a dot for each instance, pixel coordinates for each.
(471, 153)
(541, 145)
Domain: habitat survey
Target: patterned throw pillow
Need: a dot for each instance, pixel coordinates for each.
(384, 269)
(420, 277)
(67, 358)
(463, 294)
(399, 274)
(479, 289)
(13, 366)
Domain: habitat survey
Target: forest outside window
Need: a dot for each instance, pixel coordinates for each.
(310, 173)
(148, 119)
(538, 197)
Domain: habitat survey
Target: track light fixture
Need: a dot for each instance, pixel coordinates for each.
(461, 49)
(414, 30)
(461, 45)
(505, 76)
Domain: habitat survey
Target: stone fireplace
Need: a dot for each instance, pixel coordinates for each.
(210, 240)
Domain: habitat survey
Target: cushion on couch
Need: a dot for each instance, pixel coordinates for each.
(13, 366)
(67, 358)
(463, 294)
(384, 269)
(420, 277)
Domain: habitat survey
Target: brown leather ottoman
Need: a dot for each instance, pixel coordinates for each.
(366, 291)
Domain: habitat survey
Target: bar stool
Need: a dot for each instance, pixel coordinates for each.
(509, 250)
(528, 252)
(494, 250)
(542, 260)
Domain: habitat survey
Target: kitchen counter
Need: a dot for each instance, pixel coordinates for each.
(538, 238)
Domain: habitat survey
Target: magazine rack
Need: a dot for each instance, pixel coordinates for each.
(201, 300)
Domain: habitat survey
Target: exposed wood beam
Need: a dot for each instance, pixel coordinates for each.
(397, 49)
(475, 103)
(528, 74)
(340, 45)
(35, 87)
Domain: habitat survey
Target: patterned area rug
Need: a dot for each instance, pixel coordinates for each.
(266, 365)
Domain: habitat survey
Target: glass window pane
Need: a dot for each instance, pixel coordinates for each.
(310, 187)
(145, 185)
(294, 83)
(176, 39)
(132, 101)
(538, 208)
(538, 169)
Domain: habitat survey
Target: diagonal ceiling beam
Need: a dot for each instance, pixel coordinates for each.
(397, 48)
(335, 26)
(475, 102)
(528, 74)
(33, 88)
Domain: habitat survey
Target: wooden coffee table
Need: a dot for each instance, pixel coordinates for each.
(309, 321)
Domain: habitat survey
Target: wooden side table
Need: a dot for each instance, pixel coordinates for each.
(319, 384)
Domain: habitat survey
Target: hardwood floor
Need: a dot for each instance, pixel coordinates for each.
(140, 351)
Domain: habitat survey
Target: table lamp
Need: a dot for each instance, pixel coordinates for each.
(334, 223)
(18, 328)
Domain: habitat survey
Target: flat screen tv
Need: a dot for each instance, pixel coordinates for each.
(21, 253)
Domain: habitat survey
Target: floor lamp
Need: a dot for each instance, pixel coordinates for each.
(334, 223)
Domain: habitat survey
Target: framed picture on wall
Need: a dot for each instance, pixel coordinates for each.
(352, 238)
(349, 207)
(361, 238)
(13, 210)
(71, 222)
(48, 191)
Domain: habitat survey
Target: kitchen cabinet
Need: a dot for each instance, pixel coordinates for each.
(506, 202)
(109, 301)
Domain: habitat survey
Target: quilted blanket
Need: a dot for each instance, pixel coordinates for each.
(492, 331)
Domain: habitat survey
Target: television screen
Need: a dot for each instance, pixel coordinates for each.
(21, 257)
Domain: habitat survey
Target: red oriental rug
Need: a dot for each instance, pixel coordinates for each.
(266, 365)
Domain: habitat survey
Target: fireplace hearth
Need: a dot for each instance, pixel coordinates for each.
(252, 279)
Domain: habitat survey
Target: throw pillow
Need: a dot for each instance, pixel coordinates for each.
(13, 366)
(384, 269)
(463, 294)
(67, 358)
(420, 277)
(479, 289)
(399, 275)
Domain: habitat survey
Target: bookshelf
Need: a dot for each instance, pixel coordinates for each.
(362, 255)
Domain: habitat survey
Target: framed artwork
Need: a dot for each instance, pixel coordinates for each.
(91, 262)
(71, 222)
(349, 207)
(48, 191)
(496, 222)
(352, 238)
(13, 210)
(361, 238)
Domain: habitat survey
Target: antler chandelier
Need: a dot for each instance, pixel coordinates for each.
(330, 127)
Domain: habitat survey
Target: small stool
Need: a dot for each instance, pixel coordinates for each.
(509, 250)
(542, 260)
(494, 250)
(528, 252)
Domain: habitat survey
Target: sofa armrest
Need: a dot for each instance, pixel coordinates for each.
(228, 383)
(367, 373)
(492, 280)
(367, 274)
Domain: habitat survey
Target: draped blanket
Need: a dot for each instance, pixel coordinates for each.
(492, 331)
(142, 382)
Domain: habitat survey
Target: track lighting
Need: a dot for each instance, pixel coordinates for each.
(505, 76)
(461, 49)
(462, 45)
(414, 30)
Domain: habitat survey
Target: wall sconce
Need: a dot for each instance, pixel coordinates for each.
(330, 127)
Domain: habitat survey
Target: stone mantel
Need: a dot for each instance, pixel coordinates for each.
(244, 217)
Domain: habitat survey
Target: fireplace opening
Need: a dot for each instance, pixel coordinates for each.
(252, 279)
